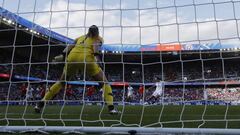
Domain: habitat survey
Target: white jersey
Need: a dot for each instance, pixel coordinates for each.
(102, 93)
(130, 91)
(38, 96)
(29, 93)
(159, 89)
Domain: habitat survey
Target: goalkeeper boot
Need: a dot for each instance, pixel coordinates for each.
(39, 106)
(112, 110)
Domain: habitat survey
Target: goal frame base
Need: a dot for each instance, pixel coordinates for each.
(118, 129)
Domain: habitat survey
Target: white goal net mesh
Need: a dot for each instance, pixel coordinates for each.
(170, 63)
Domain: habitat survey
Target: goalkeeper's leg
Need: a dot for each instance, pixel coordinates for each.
(69, 71)
(49, 95)
(107, 90)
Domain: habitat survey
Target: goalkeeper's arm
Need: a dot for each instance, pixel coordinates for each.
(65, 52)
(61, 57)
(96, 48)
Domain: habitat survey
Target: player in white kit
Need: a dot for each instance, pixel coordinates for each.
(29, 94)
(129, 93)
(159, 89)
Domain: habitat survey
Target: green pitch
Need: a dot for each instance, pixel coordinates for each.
(148, 116)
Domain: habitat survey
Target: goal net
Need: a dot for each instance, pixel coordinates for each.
(173, 66)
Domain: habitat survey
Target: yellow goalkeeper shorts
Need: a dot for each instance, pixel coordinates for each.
(77, 62)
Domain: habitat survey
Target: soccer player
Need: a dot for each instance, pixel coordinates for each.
(90, 92)
(43, 91)
(29, 94)
(83, 57)
(159, 88)
(70, 93)
(129, 93)
(101, 93)
(141, 90)
(23, 90)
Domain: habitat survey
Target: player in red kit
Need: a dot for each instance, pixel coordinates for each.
(70, 93)
(23, 90)
(90, 92)
(141, 90)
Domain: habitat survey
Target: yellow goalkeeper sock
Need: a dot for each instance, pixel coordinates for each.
(53, 91)
(108, 96)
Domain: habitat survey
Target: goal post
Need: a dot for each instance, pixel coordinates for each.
(181, 59)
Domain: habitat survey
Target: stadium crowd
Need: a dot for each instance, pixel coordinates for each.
(35, 91)
(131, 73)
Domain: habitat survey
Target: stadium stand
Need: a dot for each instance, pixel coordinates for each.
(42, 47)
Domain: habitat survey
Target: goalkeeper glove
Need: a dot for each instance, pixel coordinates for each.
(59, 58)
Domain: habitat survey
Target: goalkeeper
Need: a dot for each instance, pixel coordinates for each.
(83, 57)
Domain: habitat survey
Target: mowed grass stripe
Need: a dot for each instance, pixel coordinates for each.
(155, 116)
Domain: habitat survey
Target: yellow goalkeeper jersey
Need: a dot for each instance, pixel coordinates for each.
(85, 46)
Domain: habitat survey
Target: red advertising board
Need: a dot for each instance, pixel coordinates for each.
(169, 47)
(162, 47)
(119, 84)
